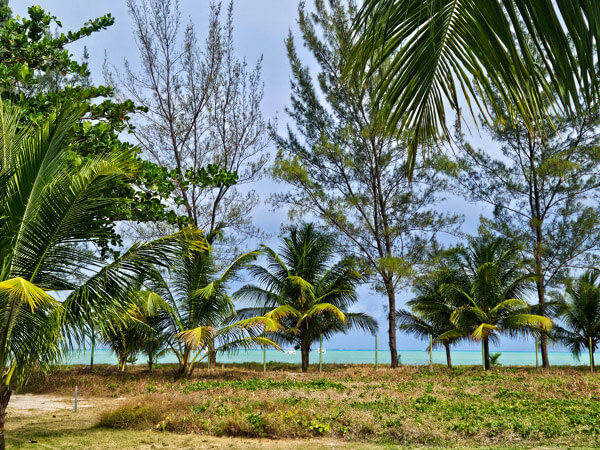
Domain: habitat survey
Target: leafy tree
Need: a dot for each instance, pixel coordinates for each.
(580, 312)
(429, 52)
(490, 283)
(44, 198)
(303, 289)
(544, 192)
(345, 170)
(202, 107)
(38, 73)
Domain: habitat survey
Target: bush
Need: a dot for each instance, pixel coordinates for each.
(133, 416)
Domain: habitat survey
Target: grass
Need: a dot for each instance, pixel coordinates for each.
(352, 404)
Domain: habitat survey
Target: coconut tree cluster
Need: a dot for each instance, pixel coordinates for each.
(479, 293)
(304, 288)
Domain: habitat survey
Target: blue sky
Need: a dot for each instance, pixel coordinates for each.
(260, 29)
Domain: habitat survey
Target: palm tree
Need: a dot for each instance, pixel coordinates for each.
(431, 311)
(579, 309)
(303, 289)
(139, 331)
(154, 342)
(488, 281)
(196, 320)
(46, 194)
(428, 52)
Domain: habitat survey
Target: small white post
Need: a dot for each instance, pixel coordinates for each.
(320, 353)
(376, 353)
(75, 399)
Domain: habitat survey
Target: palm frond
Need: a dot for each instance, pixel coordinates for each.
(425, 54)
(197, 337)
(27, 293)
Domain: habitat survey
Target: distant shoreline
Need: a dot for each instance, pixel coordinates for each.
(338, 356)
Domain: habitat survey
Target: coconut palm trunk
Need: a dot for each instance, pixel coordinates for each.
(305, 353)
(151, 357)
(5, 393)
(212, 356)
(486, 352)
(92, 352)
(591, 347)
(184, 363)
(448, 357)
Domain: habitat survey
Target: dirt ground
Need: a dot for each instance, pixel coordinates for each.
(343, 407)
(48, 421)
(35, 403)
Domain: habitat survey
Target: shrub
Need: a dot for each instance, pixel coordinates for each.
(132, 416)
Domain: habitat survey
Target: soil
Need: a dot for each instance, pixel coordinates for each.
(34, 403)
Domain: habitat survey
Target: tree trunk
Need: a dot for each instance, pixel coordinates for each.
(212, 357)
(486, 353)
(122, 357)
(448, 358)
(539, 271)
(543, 337)
(389, 287)
(305, 352)
(5, 394)
(92, 355)
(150, 352)
(189, 370)
(541, 290)
(184, 363)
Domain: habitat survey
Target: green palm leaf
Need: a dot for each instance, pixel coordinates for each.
(22, 291)
(197, 337)
(427, 53)
(304, 290)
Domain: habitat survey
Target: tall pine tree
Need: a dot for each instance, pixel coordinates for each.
(344, 169)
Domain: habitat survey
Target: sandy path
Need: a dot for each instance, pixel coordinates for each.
(23, 403)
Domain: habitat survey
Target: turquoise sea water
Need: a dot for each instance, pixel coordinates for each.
(413, 357)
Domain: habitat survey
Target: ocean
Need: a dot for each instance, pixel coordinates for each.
(412, 357)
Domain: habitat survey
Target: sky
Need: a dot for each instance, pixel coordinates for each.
(260, 29)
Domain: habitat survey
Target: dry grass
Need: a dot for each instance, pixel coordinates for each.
(409, 406)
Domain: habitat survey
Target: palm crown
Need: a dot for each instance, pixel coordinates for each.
(198, 309)
(52, 208)
(580, 313)
(429, 52)
(304, 290)
(431, 311)
(489, 285)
